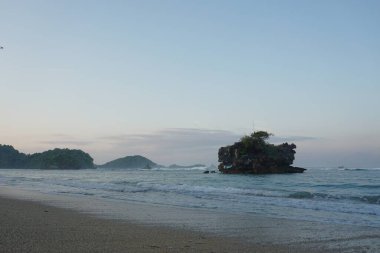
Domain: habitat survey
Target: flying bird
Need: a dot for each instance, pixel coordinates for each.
(1, 47)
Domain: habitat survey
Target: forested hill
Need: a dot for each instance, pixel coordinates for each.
(130, 162)
(51, 159)
(11, 158)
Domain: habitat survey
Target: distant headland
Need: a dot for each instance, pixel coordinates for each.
(51, 159)
(254, 155)
(11, 158)
(130, 162)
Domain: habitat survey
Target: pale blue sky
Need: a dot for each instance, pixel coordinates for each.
(174, 80)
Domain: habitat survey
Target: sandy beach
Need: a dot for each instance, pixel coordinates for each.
(28, 226)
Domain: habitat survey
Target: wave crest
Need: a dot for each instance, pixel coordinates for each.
(370, 199)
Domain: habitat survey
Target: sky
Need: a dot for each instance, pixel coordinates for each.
(176, 80)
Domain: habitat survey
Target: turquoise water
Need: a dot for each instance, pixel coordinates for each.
(343, 196)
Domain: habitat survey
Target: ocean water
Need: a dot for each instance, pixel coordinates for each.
(331, 195)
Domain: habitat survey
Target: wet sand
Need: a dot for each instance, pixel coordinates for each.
(34, 225)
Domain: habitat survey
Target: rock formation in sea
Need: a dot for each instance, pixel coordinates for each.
(254, 155)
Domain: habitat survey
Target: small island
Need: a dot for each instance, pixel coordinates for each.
(254, 155)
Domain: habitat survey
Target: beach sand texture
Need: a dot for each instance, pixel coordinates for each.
(30, 226)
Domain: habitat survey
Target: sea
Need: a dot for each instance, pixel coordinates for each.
(328, 195)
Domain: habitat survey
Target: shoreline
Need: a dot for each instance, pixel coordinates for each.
(139, 227)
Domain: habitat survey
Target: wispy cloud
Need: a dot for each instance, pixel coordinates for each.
(66, 140)
(165, 146)
(173, 144)
(179, 138)
(281, 139)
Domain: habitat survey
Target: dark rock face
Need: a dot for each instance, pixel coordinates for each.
(252, 154)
